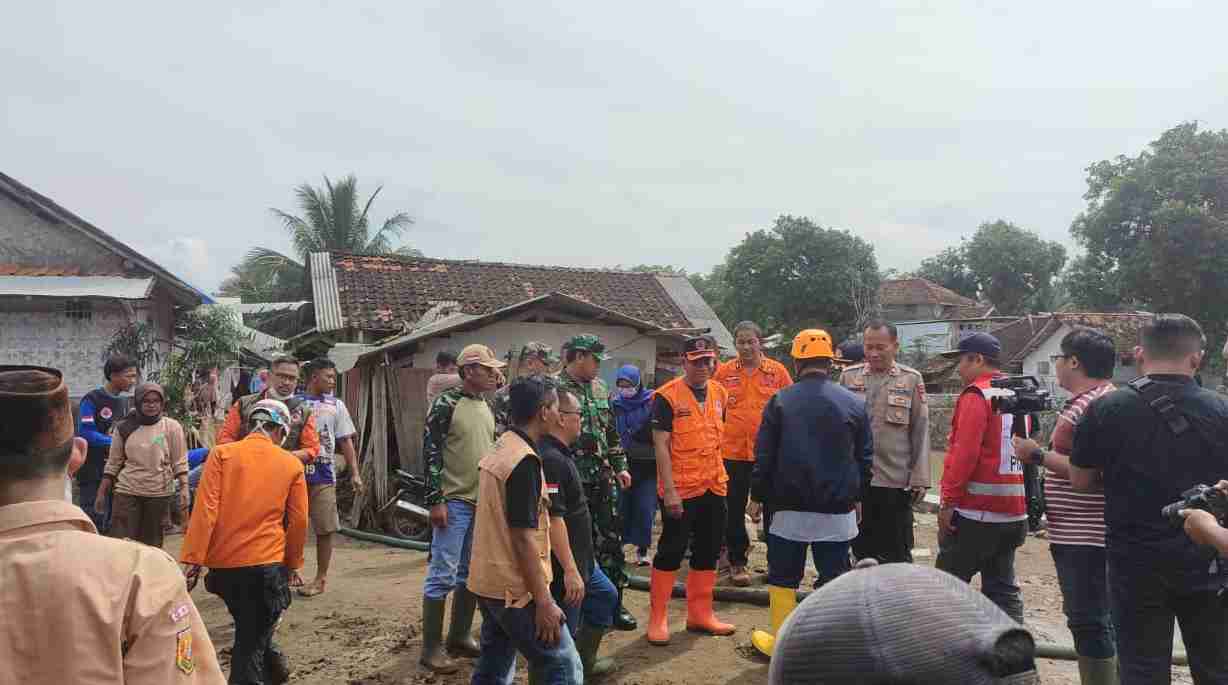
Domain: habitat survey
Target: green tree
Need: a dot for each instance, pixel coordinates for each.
(949, 269)
(664, 269)
(1156, 228)
(798, 275)
(715, 290)
(1012, 266)
(333, 218)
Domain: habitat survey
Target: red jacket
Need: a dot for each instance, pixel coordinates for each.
(980, 471)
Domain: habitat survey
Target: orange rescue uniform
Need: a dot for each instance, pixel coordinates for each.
(749, 391)
(264, 485)
(695, 441)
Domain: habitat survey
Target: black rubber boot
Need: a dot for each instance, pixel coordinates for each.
(460, 632)
(623, 620)
(433, 656)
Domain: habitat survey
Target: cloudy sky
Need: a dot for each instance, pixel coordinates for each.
(592, 135)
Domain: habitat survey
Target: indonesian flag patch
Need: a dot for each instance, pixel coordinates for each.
(552, 488)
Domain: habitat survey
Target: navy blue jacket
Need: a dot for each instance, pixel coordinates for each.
(814, 449)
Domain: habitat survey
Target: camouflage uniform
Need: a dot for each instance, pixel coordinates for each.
(599, 457)
(500, 403)
(438, 423)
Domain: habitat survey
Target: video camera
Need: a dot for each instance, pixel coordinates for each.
(1205, 497)
(1020, 396)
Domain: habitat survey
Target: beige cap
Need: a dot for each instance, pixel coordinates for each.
(479, 354)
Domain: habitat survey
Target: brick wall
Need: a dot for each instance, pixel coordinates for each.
(40, 333)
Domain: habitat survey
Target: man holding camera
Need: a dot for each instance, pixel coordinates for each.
(984, 514)
(1076, 519)
(1144, 446)
(1203, 528)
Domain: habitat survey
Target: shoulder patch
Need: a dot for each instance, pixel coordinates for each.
(183, 651)
(179, 613)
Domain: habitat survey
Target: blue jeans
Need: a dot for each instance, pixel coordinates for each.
(597, 609)
(638, 505)
(88, 493)
(787, 560)
(449, 564)
(1082, 575)
(506, 631)
(194, 481)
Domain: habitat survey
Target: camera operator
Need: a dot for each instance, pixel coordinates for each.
(1204, 529)
(1076, 520)
(984, 514)
(1145, 445)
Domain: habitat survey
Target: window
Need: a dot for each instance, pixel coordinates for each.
(79, 310)
(1043, 369)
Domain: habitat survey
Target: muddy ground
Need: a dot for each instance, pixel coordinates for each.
(364, 629)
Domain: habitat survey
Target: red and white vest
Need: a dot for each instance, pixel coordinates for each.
(996, 484)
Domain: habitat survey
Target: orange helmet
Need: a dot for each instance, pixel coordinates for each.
(812, 343)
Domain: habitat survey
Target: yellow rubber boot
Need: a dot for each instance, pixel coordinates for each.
(783, 601)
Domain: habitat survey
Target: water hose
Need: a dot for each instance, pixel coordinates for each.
(386, 540)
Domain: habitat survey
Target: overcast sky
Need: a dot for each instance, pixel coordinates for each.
(592, 135)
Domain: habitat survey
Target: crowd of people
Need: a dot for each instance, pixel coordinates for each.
(540, 486)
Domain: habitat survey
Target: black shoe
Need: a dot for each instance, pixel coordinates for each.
(623, 620)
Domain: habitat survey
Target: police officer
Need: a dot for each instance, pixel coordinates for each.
(600, 459)
(1143, 445)
(813, 459)
(79, 607)
(900, 417)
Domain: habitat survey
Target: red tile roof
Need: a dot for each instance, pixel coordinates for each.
(909, 291)
(378, 293)
(1124, 328)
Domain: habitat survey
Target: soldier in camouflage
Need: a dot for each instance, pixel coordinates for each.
(600, 459)
(535, 359)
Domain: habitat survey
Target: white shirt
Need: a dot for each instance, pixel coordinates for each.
(808, 526)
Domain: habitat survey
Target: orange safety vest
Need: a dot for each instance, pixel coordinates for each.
(695, 441)
(996, 484)
(748, 395)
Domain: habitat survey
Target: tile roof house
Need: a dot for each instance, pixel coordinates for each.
(413, 304)
(917, 299)
(66, 287)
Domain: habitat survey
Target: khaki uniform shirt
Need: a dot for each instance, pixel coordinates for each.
(88, 610)
(900, 421)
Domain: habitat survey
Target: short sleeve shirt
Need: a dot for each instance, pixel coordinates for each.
(333, 423)
(524, 487)
(1146, 466)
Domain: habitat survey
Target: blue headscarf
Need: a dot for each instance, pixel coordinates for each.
(630, 414)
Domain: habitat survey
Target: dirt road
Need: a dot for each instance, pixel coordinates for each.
(364, 629)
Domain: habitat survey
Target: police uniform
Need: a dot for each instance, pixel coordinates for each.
(899, 416)
(82, 608)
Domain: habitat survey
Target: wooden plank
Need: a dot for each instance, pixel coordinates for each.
(409, 407)
(372, 385)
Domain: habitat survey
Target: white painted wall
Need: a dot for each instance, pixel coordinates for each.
(624, 344)
(37, 331)
(1032, 363)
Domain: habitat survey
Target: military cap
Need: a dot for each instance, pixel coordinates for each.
(537, 349)
(588, 343)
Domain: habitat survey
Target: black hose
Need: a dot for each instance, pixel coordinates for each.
(386, 540)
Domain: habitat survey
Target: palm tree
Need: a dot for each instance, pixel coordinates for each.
(333, 220)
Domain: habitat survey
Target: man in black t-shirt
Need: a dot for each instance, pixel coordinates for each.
(580, 586)
(1144, 446)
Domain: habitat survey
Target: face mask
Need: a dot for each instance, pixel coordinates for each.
(274, 395)
(628, 393)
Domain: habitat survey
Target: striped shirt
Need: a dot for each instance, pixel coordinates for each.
(1075, 518)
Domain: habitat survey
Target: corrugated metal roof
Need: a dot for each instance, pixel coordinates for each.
(77, 286)
(324, 292)
(701, 315)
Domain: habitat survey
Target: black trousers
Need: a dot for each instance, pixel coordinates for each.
(736, 539)
(987, 549)
(1145, 597)
(256, 596)
(886, 526)
(702, 526)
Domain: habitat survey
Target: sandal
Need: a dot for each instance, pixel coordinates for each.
(311, 590)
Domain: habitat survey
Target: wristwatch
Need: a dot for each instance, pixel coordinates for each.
(1038, 455)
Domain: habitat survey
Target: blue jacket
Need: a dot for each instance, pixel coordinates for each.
(633, 415)
(814, 449)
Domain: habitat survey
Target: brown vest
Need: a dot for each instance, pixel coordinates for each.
(493, 570)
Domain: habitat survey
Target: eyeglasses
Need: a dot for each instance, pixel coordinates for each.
(1055, 357)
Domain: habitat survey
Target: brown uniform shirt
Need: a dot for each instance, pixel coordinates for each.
(900, 421)
(83, 609)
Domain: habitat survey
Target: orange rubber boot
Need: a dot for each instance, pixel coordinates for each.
(660, 589)
(699, 616)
